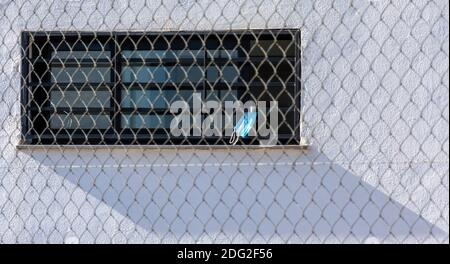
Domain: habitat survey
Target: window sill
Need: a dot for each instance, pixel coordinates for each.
(165, 147)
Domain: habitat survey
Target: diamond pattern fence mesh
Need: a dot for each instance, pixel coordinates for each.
(114, 126)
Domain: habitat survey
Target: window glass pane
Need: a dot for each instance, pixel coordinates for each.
(286, 123)
(135, 98)
(80, 98)
(276, 48)
(63, 54)
(161, 54)
(226, 74)
(80, 74)
(85, 121)
(146, 121)
(222, 95)
(186, 95)
(229, 95)
(159, 74)
(223, 54)
(180, 74)
(213, 95)
(285, 96)
(276, 72)
(146, 98)
(144, 74)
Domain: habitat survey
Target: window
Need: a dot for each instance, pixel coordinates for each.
(118, 88)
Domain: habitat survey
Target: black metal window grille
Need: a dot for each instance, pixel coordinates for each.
(116, 87)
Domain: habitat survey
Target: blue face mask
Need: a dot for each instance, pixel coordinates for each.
(243, 126)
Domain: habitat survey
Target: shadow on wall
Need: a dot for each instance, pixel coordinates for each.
(230, 196)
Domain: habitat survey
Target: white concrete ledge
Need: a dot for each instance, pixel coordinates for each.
(153, 147)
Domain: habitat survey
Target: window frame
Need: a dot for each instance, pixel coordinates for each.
(117, 135)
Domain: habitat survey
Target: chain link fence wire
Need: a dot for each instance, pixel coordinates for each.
(87, 157)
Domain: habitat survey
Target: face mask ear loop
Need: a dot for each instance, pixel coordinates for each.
(234, 138)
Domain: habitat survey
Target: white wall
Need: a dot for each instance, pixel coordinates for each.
(375, 76)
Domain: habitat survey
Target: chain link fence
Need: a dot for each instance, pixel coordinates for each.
(87, 155)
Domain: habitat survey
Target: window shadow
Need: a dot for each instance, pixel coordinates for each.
(225, 196)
